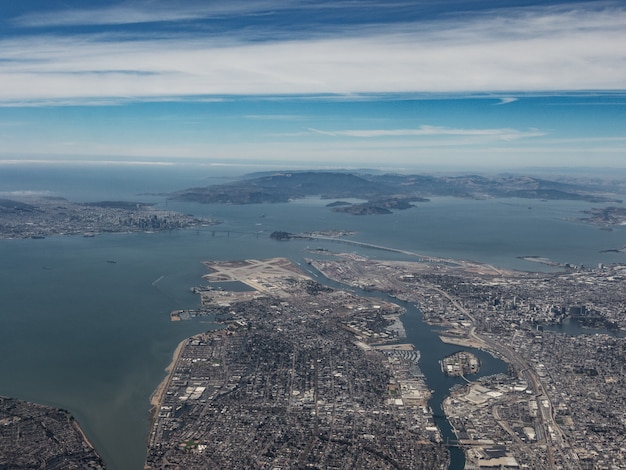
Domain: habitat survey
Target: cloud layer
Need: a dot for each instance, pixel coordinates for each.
(500, 134)
(535, 49)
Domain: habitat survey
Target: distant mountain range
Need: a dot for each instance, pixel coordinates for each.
(383, 191)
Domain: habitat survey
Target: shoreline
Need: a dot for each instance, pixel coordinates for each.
(157, 395)
(76, 425)
(466, 342)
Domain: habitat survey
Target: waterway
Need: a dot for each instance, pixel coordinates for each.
(426, 339)
(94, 337)
(573, 328)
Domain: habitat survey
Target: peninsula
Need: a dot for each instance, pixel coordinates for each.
(37, 436)
(46, 216)
(383, 193)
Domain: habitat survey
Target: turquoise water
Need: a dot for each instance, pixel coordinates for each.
(94, 337)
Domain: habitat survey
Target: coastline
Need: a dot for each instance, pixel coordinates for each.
(157, 395)
(86, 440)
(466, 342)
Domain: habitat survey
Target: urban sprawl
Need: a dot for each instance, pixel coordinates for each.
(301, 375)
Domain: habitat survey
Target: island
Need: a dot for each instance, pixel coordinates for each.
(301, 375)
(606, 216)
(37, 436)
(460, 364)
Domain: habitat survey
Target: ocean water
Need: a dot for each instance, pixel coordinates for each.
(94, 337)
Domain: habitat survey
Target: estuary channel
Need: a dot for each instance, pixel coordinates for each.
(426, 339)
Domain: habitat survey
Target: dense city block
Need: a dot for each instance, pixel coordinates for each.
(301, 376)
(562, 404)
(36, 436)
(42, 217)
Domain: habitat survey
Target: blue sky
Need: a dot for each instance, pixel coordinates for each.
(396, 84)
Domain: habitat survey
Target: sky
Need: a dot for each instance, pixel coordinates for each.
(391, 84)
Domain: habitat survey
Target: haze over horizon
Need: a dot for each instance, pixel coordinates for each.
(410, 84)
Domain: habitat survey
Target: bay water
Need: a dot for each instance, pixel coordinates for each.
(92, 336)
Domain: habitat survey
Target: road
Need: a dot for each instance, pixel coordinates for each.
(548, 428)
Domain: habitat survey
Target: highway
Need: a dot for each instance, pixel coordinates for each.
(548, 429)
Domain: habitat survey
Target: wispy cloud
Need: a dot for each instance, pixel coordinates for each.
(275, 117)
(146, 12)
(502, 134)
(457, 151)
(506, 101)
(535, 49)
(162, 11)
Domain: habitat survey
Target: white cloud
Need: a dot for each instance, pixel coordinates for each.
(502, 134)
(161, 11)
(402, 150)
(506, 101)
(146, 12)
(275, 117)
(515, 50)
